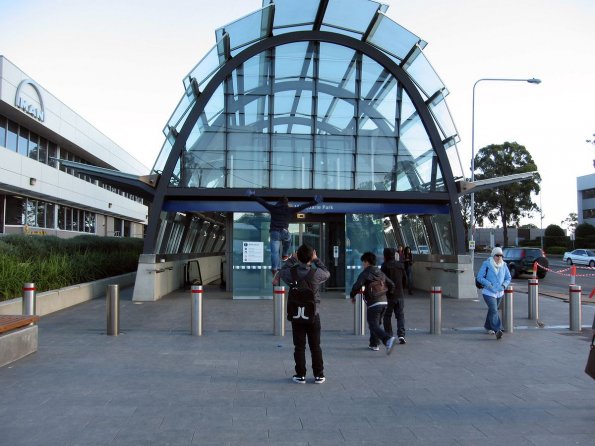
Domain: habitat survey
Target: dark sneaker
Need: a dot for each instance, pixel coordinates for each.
(319, 379)
(499, 334)
(374, 347)
(402, 340)
(389, 345)
(299, 379)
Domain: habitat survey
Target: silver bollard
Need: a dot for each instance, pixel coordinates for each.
(279, 311)
(436, 310)
(575, 307)
(533, 299)
(359, 314)
(113, 310)
(507, 310)
(29, 301)
(196, 310)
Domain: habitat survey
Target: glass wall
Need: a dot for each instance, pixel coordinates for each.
(310, 115)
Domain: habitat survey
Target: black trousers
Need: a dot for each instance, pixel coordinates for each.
(311, 332)
(396, 306)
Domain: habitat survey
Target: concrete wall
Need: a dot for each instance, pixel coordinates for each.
(56, 300)
(456, 279)
(17, 344)
(155, 279)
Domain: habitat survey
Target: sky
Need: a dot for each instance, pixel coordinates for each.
(120, 65)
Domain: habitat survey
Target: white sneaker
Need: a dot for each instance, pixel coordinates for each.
(298, 379)
(374, 348)
(490, 332)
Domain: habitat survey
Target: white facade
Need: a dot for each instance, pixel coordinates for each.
(36, 196)
(585, 198)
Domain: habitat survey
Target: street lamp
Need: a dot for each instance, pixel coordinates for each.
(472, 204)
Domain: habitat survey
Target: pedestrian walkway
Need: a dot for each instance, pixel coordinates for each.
(154, 384)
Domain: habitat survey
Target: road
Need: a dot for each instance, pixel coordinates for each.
(556, 281)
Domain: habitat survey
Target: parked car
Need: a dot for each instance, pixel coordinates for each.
(580, 257)
(520, 261)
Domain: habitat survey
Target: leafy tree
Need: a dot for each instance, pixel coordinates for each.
(570, 222)
(554, 231)
(511, 202)
(585, 230)
(528, 226)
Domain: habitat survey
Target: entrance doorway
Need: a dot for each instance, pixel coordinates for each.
(327, 236)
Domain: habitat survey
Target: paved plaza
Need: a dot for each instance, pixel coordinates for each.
(155, 384)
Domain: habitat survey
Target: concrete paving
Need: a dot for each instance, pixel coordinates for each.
(154, 384)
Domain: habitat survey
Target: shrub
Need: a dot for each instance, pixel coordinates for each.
(51, 262)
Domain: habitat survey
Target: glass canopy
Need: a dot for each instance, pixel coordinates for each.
(313, 115)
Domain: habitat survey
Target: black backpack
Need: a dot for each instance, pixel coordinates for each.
(301, 303)
(478, 283)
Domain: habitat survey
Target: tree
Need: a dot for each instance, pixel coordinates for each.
(509, 203)
(570, 222)
(554, 235)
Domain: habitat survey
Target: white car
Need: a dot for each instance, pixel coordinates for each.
(580, 257)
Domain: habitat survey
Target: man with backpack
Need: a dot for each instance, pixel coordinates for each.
(304, 272)
(376, 286)
(394, 269)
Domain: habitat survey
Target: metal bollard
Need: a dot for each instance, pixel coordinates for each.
(279, 311)
(113, 310)
(533, 299)
(196, 310)
(573, 275)
(29, 301)
(359, 314)
(436, 310)
(507, 310)
(575, 307)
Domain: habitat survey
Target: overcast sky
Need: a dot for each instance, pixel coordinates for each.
(120, 65)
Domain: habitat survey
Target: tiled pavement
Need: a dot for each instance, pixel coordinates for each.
(157, 385)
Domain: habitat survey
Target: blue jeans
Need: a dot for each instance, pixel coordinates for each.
(279, 238)
(377, 333)
(493, 321)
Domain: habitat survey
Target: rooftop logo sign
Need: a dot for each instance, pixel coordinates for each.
(25, 99)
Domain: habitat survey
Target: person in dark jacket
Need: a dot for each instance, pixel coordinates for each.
(407, 259)
(375, 305)
(281, 212)
(395, 271)
(303, 260)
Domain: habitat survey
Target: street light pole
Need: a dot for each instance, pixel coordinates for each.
(472, 204)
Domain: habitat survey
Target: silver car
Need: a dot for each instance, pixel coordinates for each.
(580, 257)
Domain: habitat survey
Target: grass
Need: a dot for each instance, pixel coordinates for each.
(52, 262)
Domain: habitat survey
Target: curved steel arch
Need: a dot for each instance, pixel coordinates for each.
(163, 188)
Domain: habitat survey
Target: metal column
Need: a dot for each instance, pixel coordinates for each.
(359, 314)
(279, 311)
(29, 301)
(113, 310)
(575, 307)
(507, 310)
(436, 310)
(196, 310)
(533, 299)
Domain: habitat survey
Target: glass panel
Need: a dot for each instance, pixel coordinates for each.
(377, 145)
(441, 114)
(292, 162)
(11, 136)
(205, 68)
(43, 150)
(363, 232)
(248, 113)
(41, 214)
(248, 29)
(2, 131)
(424, 76)
(177, 118)
(333, 162)
(392, 37)
(23, 144)
(442, 228)
(162, 157)
(248, 160)
(15, 210)
(337, 68)
(294, 61)
(338, 114)
(415, 234)
(34, 146)
(290, 12)
(52, 154)
(251, 273)
(354, 15)
(31, 213)
(50, 215)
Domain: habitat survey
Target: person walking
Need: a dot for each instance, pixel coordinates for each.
(281, 212)
(395, 271)
(494, 276)
(407, 260)
(375, 304)
(303, 261)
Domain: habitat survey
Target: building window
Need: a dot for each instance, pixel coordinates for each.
(588, 213)
(588, 193)
(11, 136)
(15, 210)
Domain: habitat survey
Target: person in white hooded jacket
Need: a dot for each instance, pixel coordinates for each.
(495, 277)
